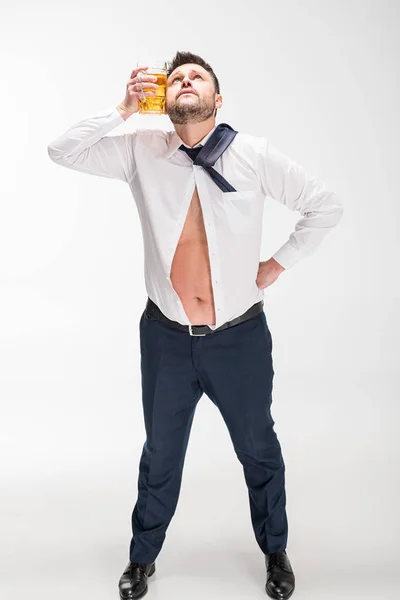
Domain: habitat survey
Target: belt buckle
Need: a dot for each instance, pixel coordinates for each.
(191, 332)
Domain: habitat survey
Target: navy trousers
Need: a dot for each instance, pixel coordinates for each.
(234, 368)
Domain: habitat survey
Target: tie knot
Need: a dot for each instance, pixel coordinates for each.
(192, 152)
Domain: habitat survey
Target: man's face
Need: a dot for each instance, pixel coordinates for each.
(191, 96)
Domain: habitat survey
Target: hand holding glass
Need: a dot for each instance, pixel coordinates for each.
(154, 105)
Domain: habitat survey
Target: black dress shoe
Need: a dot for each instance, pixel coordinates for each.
(280, 577)
(133, 581)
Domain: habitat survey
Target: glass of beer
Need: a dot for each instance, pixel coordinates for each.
(154, 105)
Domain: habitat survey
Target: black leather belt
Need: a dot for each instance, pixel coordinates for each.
(152, 310)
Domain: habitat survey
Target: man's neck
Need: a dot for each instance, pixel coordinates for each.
(192, 133)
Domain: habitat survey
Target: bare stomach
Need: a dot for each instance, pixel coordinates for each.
(191, 279)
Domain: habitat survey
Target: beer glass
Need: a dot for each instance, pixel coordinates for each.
(154, 105)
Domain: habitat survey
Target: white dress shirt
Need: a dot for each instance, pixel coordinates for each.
(162, 180)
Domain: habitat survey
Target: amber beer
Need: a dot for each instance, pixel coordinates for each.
(155, 105)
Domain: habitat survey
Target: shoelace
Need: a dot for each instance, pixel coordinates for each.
(138, 565)
(277, 559)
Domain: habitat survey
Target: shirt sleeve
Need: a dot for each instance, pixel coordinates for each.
(288, 182)
(85, 147)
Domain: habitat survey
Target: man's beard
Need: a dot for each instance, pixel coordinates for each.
(182, 113)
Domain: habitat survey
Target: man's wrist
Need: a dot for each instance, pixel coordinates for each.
(277, 265)
(125, 114)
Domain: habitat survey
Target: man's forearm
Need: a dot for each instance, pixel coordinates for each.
(85, 146)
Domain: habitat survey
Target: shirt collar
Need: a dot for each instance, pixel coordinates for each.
(175, 141)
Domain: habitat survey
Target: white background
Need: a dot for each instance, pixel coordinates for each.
(320, 80)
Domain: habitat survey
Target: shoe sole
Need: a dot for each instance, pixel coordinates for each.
(151, 572)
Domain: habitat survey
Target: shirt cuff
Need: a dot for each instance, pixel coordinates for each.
(287, 256)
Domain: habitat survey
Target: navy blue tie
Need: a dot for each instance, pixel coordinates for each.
(207, 155)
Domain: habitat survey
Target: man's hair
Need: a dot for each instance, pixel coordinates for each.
(182, 58)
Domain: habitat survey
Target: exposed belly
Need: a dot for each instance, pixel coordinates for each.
(190, 270)
(191, 279)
